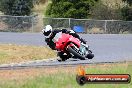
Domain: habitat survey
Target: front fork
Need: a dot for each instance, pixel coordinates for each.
(86, 49)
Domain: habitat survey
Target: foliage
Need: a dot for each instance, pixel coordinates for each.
(128, 1)
(16, 7)
(127, 13)
(70, 8)
(6, 6)
(40, 1)
(106, 11)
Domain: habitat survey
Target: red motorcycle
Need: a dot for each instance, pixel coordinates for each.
(71, 47)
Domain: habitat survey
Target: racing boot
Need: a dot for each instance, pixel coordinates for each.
(63, 56)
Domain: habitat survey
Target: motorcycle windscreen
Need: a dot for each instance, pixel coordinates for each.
(57, 37)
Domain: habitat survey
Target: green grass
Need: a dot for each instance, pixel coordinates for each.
(67, 79)
(3, 55)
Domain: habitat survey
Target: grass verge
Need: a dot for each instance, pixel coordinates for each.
(10, 53)
(60, 77)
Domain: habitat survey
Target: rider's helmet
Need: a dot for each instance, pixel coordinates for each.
(47, 31)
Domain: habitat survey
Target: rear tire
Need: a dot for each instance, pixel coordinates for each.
(71, 50)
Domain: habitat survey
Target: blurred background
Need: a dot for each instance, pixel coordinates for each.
(89, 16)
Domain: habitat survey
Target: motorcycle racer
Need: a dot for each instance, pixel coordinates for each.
(49, 34)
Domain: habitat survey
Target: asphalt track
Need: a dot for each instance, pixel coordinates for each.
(106, 47)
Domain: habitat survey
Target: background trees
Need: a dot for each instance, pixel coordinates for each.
(16, 7)
(106, 10)
(70, 8)
(93, 9)
(127, 11)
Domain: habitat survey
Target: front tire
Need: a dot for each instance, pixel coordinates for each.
(90, 56)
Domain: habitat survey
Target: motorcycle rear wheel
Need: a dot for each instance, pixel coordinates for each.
(76, 54)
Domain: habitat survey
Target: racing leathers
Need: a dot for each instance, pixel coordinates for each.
(51, 44)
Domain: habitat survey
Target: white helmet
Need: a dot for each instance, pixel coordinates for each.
(47, 31)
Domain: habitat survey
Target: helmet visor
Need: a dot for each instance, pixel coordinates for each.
(47, 33)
